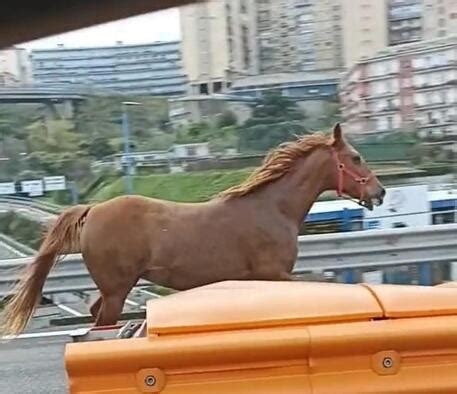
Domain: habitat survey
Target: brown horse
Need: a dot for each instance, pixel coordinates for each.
(247, 232)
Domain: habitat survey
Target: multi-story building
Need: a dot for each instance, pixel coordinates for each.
(439, 18)
(149, 69)
(223, 39)
(15, 67)
(219, 43)
(404, 20)
(406, 87)
(364, 28)
(369, 26)
(227, 40)
(299, 35)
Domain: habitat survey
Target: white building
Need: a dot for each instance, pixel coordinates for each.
(15, 67)
(190, 151)
(412, 86)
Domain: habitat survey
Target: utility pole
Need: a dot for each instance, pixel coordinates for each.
(126, 137)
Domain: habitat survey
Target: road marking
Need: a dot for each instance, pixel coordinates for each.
(132, 303)
(150, 293)
(71, 311)
(40, 335)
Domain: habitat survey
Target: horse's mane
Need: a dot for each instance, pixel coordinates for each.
(278, 162)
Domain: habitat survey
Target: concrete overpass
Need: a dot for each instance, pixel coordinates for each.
(58, 99)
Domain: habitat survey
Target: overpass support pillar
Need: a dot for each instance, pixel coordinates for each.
(55, 111)
(50, 111)
(67, 110)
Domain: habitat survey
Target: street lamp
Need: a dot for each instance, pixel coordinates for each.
(126, 135)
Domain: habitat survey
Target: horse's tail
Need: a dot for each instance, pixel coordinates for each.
(61, 238)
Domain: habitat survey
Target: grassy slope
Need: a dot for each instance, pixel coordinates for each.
(196, 186)
(186, 187)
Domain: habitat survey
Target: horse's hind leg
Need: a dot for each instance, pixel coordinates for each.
(111, 309)
(95, 307)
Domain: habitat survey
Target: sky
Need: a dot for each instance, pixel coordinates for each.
(156, 26)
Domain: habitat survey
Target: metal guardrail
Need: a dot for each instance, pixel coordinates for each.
(375, 248)
(69, 275)
(31, 203)
(378, 248)
(22, 250)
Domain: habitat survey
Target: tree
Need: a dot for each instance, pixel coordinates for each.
(274, 120)
(226, 119)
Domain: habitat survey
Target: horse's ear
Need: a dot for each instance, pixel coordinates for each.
(338, 139)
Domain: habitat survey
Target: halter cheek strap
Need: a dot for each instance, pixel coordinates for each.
(342, 170)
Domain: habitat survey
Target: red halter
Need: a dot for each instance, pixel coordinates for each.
(341, 168)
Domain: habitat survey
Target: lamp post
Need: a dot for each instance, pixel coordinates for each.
(126, 137)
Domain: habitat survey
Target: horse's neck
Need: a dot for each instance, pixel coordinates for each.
(295, 192)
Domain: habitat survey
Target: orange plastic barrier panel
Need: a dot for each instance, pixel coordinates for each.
(281, 337)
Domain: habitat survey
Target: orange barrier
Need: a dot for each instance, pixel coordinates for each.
(281, 337)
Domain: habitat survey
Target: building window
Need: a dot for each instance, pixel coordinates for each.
(390, 122)
(204, 88)
(243, 8)
(443, 96)
(217, 87)
(441, 22)
(191, 151)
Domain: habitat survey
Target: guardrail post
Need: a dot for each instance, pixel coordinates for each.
(74, 192)
(345, 220)
(425, 274)
(348, 276)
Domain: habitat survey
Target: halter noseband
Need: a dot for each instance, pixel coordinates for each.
(341, 168)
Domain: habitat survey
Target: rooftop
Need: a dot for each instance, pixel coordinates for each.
(114, 46)
(284, 78)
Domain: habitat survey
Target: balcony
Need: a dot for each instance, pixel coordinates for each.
(434, 67)
(379, 95)
(397, 3)
(388, 109)
(387, 75)
(430, 86)
(435, 105)
(404, 15)
(402, 27)
(437, 123)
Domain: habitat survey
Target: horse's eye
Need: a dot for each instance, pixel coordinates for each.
(357, 160)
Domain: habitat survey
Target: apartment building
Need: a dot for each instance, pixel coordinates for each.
(406, 87)
(364, 28)
(404, 21)
(226, 40)
(15, 67)
(440, 18)
(148, 69)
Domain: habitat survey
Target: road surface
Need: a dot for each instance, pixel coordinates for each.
(33, 366)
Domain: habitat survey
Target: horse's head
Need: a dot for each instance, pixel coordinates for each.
(352, 175)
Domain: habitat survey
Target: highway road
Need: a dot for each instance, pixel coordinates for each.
(33, 366)
(29, 212)
(36, 365)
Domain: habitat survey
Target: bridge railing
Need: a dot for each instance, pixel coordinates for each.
(341, 251)
(33, 203)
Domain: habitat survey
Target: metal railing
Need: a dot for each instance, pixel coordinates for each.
(375, 248)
